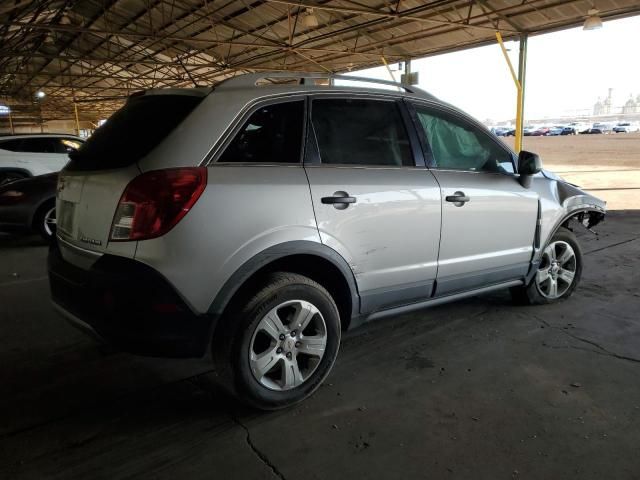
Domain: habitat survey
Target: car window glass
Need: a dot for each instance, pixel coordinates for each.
(272, 134)
(360, 132)
(11, 145)
(38, 145)
(456, 144)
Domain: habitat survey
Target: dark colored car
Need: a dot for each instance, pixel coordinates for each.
(569, 131)
(599, 128)
(540, 132)
(29, 205)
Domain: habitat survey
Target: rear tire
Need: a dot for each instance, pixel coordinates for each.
(558, 274)
(275, 348)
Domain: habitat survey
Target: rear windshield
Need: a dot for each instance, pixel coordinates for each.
(133, 131)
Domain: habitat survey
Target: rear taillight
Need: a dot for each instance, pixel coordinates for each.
(154, 202)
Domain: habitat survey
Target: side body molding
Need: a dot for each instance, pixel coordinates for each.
(280, 251)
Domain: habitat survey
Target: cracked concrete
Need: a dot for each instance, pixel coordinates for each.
(263, 458)
(477, 389)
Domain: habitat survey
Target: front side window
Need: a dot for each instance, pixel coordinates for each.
(272, 134)
(361, 132)
(456, 144)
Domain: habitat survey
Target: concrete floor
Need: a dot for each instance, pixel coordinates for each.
(477, 389)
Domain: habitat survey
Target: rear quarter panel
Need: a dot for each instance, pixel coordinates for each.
(244, 210)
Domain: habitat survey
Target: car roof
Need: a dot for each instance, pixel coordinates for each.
(259, 85)
(309, 82)
(8, 136)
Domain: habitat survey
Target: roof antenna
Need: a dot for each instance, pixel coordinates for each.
(195, 84)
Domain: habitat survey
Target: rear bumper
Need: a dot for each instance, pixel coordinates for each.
(128, 305)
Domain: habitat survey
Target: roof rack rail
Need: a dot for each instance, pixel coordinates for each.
(253, 79)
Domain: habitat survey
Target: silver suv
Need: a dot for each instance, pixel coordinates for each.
(259, 219)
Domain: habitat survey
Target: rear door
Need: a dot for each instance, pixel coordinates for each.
(488, 218)
(374, 203)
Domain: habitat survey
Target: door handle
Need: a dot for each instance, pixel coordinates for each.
(339, 200)
(458, 199)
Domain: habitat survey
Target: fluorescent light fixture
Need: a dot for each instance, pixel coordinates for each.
(593, 21)
(310, 20)
(40, 94)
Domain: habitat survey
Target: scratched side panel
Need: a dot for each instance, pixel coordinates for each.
(391, 235)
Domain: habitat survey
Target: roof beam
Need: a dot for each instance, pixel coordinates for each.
(378, 13)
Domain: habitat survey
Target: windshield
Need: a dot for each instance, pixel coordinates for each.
(133, 131)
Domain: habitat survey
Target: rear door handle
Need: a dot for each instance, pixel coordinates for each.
(339, 200)
(458, 199)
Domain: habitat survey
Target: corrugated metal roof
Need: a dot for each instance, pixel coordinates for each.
(97, 52)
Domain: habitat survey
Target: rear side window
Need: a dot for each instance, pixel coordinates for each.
(361, 132)
(11, 145)
(133, 131)
(456, 144)
(272, 134)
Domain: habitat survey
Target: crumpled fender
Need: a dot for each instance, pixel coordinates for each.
(560, 202)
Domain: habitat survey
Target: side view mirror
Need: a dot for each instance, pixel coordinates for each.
(528, 165)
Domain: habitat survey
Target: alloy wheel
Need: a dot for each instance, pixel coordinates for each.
(557, 270)
(50, 221)
(287, 345)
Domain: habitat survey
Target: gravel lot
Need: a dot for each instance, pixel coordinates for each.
(607, 165)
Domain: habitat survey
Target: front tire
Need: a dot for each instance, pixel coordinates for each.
(275, 349)
(558, 274)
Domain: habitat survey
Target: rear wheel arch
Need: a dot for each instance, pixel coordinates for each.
(19, 173)
(310, 259)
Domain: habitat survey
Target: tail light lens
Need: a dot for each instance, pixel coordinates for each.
(154, 202)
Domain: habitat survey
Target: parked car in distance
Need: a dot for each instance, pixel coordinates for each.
(626, 127)
(296, 212)
(501, 131)
(555, 131)
(30, 155)
(540, 131)
(28, 205)
(528, 130)
(579, 127)
(569, 130)
(599, 128)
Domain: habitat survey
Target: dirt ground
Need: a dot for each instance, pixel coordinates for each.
(606, 165)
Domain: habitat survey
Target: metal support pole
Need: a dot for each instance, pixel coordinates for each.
(11, 123)
(75, 108)
(384, 60)
(519, 88)
(522, 75)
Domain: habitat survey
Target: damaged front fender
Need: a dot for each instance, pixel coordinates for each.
(560, 202)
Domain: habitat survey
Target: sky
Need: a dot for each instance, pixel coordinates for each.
(566, 73)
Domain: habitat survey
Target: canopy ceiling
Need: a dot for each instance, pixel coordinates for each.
(97, 52)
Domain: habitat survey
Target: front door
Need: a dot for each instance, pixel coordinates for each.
(488, 218)
(373, 205)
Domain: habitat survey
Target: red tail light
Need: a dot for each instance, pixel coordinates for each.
(154, 202)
